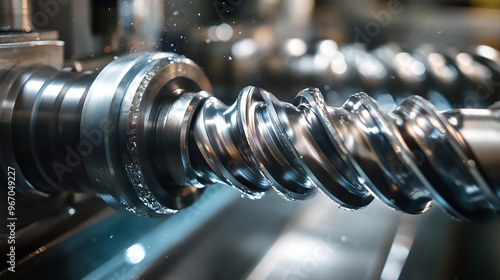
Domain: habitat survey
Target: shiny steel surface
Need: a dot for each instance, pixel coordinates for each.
(405, 158)
(35, 100)
(147, 136)
(139, 25)
(47, 52)
(100, 130)
(451, 79)
(15, 15)
(126, 111)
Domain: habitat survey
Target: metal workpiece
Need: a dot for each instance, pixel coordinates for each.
(40, 111)
(406, 158)
(449, 78)
(20, 44)
(139, 25)
(147, 136)
(15, 15)
(70, 131)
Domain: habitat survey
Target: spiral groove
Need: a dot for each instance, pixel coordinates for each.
(406, 158)
(146, 135)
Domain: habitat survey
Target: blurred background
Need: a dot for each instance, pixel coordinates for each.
(443, 50)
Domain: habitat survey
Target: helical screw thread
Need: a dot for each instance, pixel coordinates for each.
(406, 158)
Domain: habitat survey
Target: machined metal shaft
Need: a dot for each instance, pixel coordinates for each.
(147, 136)
(406, 158)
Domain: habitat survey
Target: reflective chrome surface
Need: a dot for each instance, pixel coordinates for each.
(146, 135)
(83, 133)
(405, 158)
(139, 25)
(435, 49)
(16, 15)
(37, 100)
(391, 72)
